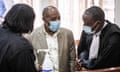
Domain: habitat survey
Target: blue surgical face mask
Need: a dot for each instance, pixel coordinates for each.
(88, 29)
(54, 25)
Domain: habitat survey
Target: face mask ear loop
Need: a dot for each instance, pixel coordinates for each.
(96, 26)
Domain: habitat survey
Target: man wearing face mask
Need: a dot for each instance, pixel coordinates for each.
(54, 46)
(99, 44)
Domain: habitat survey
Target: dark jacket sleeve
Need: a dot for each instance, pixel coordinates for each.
(83, 47)
(109, 56)
(20, 56)
(82, 44)
(23, 62)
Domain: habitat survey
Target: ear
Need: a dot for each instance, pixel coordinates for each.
(43, 18)
(98, 22)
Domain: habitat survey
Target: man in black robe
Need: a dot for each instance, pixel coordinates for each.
(100, 41)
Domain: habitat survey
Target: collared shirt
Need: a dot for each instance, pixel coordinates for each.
(94, 48)
(51, 60)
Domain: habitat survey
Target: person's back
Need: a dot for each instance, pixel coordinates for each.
(16, 53)
(12, 47)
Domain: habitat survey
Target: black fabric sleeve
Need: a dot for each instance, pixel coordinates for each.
(82, 44)
(109, 56)
(23, 62)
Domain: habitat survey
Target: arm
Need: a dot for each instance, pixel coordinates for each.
(72, 52)
(109, 53)
(23, 62)
(82, 47)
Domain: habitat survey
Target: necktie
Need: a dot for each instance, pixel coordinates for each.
(94, 47)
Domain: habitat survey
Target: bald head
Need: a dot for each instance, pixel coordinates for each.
(96, 12)
(50, 13)
(49, 10)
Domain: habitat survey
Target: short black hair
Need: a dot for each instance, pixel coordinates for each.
(46, 10)
(96, 12)
(20, 19)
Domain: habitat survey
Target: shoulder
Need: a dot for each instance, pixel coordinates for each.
(35, 34)
(18, 45)
(111, 29)
(14, 43)
(66, 31)
(114, 27)
(38, 30)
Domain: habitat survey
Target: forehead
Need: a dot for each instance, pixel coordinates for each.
(88, 19)
(53, 12)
